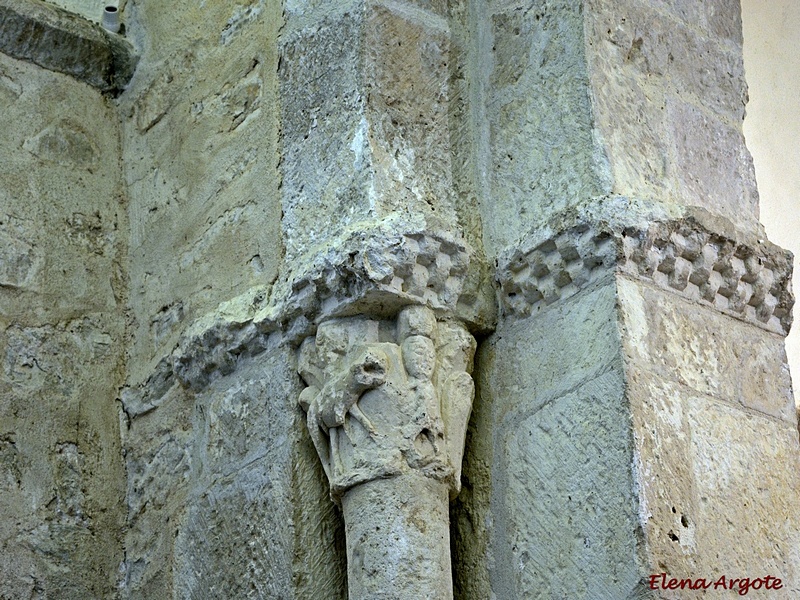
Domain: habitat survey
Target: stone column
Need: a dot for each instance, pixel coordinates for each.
(388, 403)
(382, 276)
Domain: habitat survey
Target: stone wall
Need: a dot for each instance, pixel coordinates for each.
(566, 182)
(620, 201)
(63, 293)
(588, 102)
(200, 162)
(223, 486)
(714, 417)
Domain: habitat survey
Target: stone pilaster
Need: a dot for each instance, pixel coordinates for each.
(641, 418)
(364, 95)
(634, 412)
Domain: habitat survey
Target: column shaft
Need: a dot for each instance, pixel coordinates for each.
(398, 539)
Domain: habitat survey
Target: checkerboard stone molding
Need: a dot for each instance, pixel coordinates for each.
(748, 281)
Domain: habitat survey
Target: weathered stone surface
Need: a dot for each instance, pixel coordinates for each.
(712, 163)
(362, 141)
(387, 406)
(18, 262)
(407, 110)
(58, 40)
(540, 123)
(701, 390)
(548, 369)
(707, 351)
(702, 465)
(64, 144)
(733, 502)
(61, 224)
(559, 534)
(200, 161)
(325, 132)
(233, 540)
(738, 275)
(158, 463)
(88, 9)
(221, 494)
(535, 453)
(398, 539)
(551, 120)
(60, 489)
(680, 78)
(61, 337)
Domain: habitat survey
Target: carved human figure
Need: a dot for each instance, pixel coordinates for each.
(419, 359)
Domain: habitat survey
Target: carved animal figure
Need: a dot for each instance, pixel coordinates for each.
(339, 396)
(327, 408)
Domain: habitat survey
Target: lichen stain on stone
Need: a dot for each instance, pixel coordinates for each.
(18, 262)
(64, 143)
(240, 18)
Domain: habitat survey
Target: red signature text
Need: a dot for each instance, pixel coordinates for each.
(742, 585)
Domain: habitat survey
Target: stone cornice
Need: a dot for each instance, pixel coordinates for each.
(748, 281)
(60, 41)
(373, 272)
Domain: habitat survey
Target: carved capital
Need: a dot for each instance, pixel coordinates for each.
(386, 397)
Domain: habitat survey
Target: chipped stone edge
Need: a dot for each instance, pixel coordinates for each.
(58, 40)
(374, 271)
(749, 280)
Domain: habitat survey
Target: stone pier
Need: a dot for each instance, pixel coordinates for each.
(640, 344)
(388, 299)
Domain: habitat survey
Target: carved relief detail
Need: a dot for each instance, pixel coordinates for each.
(369, 267)
(388, 396)
(748, 282)
(554, 269)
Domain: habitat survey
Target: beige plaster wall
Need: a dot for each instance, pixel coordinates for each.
(772, 65)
